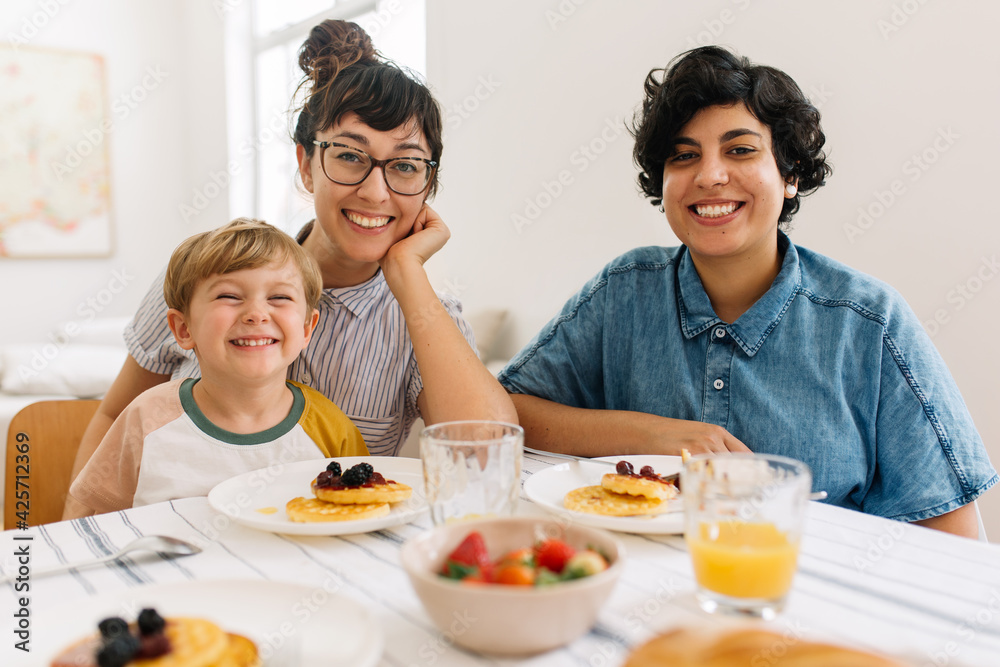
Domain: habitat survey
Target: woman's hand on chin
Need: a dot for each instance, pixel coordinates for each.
(429, 234)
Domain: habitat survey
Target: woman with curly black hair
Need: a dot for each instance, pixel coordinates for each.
(739, 339)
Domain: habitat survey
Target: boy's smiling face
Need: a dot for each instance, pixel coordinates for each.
(248, 325)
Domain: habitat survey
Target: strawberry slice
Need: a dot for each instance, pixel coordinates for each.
(553, 555)
(468, 558)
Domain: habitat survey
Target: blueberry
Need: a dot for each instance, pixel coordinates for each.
(334, 467)
(150, 623)
(358, 475)
(118, 651)
(113, 627)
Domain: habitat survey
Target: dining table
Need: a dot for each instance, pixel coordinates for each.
(922, 596)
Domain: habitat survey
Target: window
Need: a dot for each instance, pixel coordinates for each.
(262, 43)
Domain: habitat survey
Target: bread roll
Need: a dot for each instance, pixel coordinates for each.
(746, 648)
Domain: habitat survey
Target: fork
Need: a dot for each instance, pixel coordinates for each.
(570, 457)
(163, 544)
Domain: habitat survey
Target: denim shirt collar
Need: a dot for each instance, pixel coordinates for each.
(753, 326)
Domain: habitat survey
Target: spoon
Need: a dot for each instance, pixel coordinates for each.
(816, 495)
(162, 544)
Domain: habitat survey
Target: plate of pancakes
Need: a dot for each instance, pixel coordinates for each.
(282, 498)
(237, 623)
(593, 494)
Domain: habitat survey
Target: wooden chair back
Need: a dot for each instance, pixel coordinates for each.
(41, 446)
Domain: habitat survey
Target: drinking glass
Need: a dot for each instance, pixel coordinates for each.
(744, 515)
(472, 469)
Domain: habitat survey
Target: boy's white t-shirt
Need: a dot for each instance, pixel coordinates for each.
(162, 447)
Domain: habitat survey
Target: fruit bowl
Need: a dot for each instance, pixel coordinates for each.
(510, 620)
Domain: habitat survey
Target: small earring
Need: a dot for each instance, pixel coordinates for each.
(791, 190)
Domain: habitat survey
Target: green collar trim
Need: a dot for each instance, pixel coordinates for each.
(208, 428)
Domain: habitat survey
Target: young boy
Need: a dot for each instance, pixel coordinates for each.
(243, 298)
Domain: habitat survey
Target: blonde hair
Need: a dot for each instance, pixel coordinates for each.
(244, 243)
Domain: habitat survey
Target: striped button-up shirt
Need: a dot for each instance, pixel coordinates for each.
(360, 356)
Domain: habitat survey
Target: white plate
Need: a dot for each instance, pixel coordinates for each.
(548, 487)
(242, 497)
(290, 624)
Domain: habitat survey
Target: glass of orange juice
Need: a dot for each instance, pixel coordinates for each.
(744, 515)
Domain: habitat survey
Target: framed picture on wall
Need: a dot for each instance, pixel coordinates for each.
(55, 198)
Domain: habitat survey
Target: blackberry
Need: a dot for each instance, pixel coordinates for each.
(624, 468)
(357, 475)
(118, 651)
(150, 623)
(113, 627)
(334, 467)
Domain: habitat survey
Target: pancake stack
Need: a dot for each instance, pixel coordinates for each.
(190, 642)
(624, 493)
(356, 493)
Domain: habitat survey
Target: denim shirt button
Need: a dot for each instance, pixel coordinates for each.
(718, 384)
(720, 332)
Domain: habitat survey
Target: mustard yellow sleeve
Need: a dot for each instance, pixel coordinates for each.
(332, 431)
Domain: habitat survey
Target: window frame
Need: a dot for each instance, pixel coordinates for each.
(243, 49)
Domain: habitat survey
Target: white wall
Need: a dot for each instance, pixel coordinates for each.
(165, 148)
(536, 81)
(527, 89)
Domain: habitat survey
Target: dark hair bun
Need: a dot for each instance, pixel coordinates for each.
(333, 46)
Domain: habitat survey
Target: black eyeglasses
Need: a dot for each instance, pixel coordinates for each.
(349, 166)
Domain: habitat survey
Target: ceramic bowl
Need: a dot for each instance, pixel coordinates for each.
(510, 620)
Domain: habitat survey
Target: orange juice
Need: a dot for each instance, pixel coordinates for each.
(743, 560)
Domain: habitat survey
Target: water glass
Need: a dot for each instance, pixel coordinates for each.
(472, 469)
(744, 516)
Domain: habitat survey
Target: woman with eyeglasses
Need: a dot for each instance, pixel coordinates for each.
(387, 349)
(739, 339)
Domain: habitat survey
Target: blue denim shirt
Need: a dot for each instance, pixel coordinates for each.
(830, 367)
